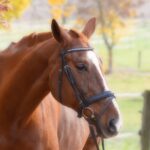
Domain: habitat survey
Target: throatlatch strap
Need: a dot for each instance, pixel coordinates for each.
(94, 137)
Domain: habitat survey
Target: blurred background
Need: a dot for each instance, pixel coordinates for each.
(122, 40)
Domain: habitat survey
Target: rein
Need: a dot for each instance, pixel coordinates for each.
(82, 100)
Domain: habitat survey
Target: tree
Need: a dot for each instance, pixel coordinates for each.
(3, 8)
(61, 9)
(112, 16)
(85, 10)
(11, 9)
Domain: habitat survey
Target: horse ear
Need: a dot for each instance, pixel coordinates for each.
(59, 33)
(89, 27)
(56, 31)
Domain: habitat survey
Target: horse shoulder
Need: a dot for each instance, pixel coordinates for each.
(73, 132)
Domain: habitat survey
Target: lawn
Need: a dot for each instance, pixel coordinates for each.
(131, 113)
(128, 82)
(126, 143)
(126, 51)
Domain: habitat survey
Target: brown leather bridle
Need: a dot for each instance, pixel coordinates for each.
(84, 102)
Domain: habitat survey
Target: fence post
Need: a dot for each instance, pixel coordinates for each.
(145, 132)
(139, 59)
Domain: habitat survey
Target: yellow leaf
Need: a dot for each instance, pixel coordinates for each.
(56, 2)
(68, 10)
(56, 12)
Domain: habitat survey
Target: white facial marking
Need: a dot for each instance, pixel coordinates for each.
(119, 123)
(92, 57)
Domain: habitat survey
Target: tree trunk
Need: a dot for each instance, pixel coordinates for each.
(109, 44)
(145, 132)
(110, 61)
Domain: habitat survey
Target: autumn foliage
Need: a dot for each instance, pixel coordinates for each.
(61, 9)
(57, 2)
(113, 20)
(10, 9)
(3, 9)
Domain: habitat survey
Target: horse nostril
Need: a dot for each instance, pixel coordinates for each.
(112, 126)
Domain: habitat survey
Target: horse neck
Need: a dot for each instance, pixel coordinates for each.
(28, 41)
(33, 39)
(24, 44)
(26, 85)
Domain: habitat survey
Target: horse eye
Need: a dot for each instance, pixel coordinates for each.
(81, 67)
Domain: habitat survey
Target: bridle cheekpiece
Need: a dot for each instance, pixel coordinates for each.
(83, 102)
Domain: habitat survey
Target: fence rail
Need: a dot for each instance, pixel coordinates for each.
(132, 95)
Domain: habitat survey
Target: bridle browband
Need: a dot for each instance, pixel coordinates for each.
(82, 100)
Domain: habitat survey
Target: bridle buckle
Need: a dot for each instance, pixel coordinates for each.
(88, 113)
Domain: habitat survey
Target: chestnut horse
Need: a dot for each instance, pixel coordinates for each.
(28, 76)
(72, 124)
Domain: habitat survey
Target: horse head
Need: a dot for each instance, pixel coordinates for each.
(78, 82)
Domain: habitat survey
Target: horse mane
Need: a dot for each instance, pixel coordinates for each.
(28, 41)
(33, 39)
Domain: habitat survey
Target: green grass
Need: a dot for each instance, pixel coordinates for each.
(127, 58)
(128, 143)
(126, 51)
(128, 82)
(131, 113)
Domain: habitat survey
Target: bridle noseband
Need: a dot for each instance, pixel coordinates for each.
(83, 102)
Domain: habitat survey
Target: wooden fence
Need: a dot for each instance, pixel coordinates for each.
(145, 131)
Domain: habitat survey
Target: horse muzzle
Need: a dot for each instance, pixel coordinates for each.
(109, 121)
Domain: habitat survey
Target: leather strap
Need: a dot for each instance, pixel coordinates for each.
(94, 136)
(100, 96)
(83, 102)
